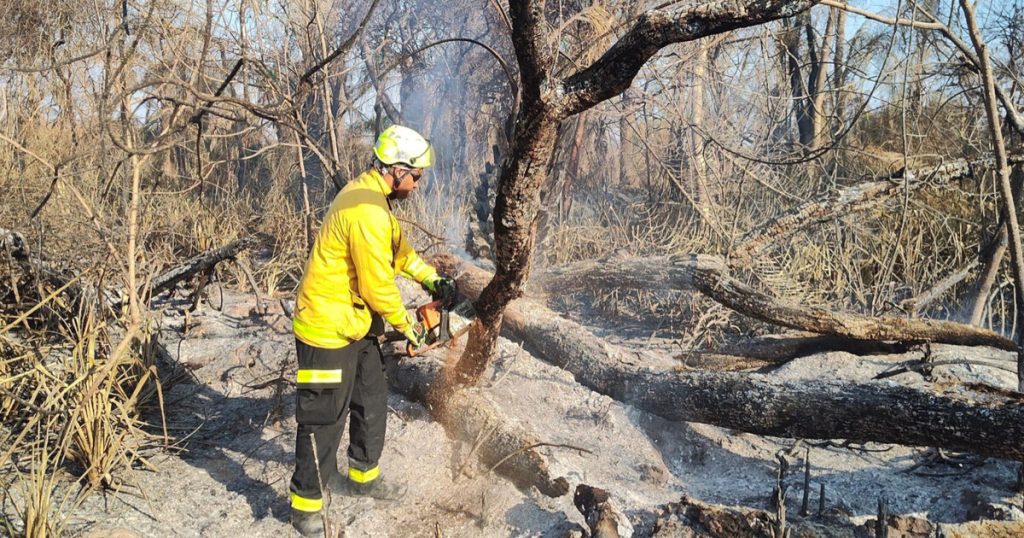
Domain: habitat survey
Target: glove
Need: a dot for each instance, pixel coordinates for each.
(416, 334)
(440, 288)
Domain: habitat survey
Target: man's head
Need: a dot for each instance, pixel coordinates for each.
(403, 155)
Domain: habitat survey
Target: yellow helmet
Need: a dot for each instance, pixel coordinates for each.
(402, 145)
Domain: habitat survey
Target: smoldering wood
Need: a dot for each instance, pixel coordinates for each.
(710, 275)
(971, 418)
(855, 198)
(468, 416)
(596, 506)
(691, 517)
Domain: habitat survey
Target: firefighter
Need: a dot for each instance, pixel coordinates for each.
(347, 292)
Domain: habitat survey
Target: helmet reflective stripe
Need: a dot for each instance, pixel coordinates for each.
(402, 145)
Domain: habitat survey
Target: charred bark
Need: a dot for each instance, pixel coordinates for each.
(199, 264)
(596, 506)
(778, 349)
(972, 418)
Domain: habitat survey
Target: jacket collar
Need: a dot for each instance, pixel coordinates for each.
(376, 181)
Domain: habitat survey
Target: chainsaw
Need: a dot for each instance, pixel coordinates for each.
(442, 324)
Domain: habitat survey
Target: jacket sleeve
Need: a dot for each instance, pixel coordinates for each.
(370, 248)
(409, 263)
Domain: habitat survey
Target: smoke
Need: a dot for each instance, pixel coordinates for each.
(453, 92)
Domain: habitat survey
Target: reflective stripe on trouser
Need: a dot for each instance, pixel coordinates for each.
(363, 477)
(304, 504)
(321, 408)
(318, 377)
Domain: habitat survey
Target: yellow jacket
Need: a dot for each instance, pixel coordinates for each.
(351, 270)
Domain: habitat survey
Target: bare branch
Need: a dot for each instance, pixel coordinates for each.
(934, 25)
(611, 74)
(342, 49)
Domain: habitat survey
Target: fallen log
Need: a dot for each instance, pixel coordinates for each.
(469, 417)
(22, 268)
(969, 418)
(780, 348)
(710, 275)
(853, 199)
(198, 264)
(690, 517)
(13, 243)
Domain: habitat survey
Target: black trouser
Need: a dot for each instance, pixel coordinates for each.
(330, 383)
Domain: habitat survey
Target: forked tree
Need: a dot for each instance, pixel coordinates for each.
(546, 102)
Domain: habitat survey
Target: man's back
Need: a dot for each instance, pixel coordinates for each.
(330, 312)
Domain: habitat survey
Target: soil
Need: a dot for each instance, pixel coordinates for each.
(229, 408)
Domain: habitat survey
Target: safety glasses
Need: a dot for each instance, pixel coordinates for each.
(416, 173)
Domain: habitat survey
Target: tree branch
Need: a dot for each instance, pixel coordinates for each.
(342, 49)
(611, 74)
(528, 39)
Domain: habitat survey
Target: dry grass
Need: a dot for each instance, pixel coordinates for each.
(71, 402)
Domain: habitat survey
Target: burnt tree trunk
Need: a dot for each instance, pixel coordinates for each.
(972, 418)
(545, 104)
(798, 88)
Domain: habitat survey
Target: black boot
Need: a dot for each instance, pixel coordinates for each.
(336, 483)
(379, 488)
(307, 523)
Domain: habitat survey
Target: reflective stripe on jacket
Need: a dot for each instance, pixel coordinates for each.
(351, 270)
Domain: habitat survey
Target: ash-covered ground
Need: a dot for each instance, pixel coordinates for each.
(229, 408)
